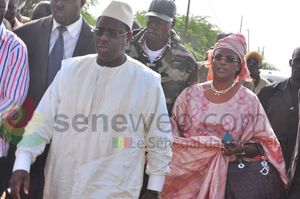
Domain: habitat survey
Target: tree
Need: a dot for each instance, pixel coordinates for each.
(86, 15)
(265, 65)
(201, 34)
(141, 18)
(268, 66)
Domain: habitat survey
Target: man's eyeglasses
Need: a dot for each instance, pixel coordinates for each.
(227, 59)
(110, 33)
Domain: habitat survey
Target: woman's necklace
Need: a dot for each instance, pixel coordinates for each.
(219, 92)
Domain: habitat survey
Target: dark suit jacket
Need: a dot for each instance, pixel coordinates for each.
(36, 36)
(282, 112)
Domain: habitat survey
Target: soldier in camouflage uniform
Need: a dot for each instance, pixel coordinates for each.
(159, 47)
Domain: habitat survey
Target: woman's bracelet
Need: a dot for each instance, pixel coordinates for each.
(249, 152)
(243, 150)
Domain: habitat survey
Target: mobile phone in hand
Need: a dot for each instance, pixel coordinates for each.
(227, 140)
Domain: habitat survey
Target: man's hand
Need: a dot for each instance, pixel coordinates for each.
(19, 178)
(149, 194)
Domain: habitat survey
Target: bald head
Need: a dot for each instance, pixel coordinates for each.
(42, 9)
(296, 52)
(295, 65)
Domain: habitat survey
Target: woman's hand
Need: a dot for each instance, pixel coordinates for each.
(249, 150)
(235, 148)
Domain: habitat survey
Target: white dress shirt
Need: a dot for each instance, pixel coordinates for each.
(70, 37)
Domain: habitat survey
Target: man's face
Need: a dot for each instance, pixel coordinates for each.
(3, 7)
(111, 38)
(295, 64)
(65, 12)
(158, 30)
(253, 66)
(12, 10)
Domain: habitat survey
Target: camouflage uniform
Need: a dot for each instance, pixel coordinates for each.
(176, 65)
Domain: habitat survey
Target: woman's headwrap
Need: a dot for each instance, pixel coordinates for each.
(236, 43)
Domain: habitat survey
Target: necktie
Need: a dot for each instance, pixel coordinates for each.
(56, 55)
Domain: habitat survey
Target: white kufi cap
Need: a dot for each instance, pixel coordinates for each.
(120, 11)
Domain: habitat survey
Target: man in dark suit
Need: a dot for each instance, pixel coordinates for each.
(41, 37)
(281, 103)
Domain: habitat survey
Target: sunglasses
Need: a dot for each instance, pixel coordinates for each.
(228, 59)
(110, 33)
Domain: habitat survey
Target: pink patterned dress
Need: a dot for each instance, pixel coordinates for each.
(199, 168)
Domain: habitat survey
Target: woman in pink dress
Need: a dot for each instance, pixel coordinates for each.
(204, 113)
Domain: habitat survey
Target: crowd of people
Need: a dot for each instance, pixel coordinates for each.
(120, 111)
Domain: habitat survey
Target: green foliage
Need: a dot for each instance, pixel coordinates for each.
(28, 5)
(88, 17)
(265, 65)
(85, 13)
(201, 34)
(141, 18)
(268, 66)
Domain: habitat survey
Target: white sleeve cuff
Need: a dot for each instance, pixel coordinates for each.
(156, 183)
(22, 162)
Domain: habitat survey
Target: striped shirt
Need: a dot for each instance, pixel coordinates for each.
(14, 73)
